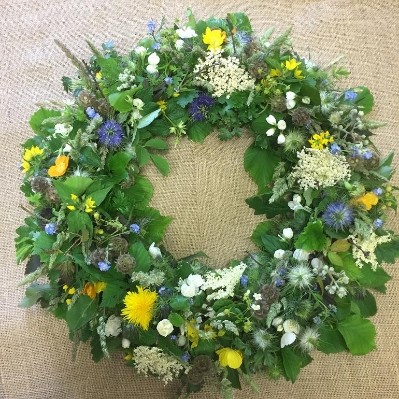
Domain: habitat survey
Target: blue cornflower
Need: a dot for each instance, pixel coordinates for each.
(185, 357)
(104, 266)
(91, 113)
(350, 95)
(243, 38)
(156, 46)
(110, 133)
(367, 154)
(173, 337)
(355, 151)
(168, 80)
(335, 149)
(244, 280)
(279, 282)
(151, 26)
(338, 216)
(378, 191)
(317, 320)
(378, 223)
(199, 107)
(50, 228)
(135, 228)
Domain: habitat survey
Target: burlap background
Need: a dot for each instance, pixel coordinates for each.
(204, 193)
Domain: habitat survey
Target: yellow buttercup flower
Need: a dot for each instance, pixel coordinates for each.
(162, 105)
(71, 291)
(71, 207)
(367, 201)
(99, 286)
(139, 307)
(275, 73)
(291, 64)
(92, 289)
(298, 73)
(192, 333)
(32, 152)
(229, 357)
(60, 166)
(90, 204)
(74, 197)
(320, 140)
(214, 38)
(68, 301)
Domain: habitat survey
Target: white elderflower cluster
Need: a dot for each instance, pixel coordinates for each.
(127, 79)
(153, 277)
(222, 75)
(154, 361)
(225, 324)
(222, 282)
(363, 249)
(320, 168)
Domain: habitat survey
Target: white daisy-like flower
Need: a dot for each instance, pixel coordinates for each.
(308, 340)
(271, 120)
(300, 276)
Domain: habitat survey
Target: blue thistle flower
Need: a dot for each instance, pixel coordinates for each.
(103, 266)
(50, 228)
(135, 228)
(279, 282)
(338, 216)
(199, 107)
(350, 95)
(335, 149)
(151, 26)
(110, 133)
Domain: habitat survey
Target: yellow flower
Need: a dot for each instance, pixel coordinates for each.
(230, 357)
(291, 64)
(128, 357)
(65, 287)
(298, 74)
(319, 141)
(99, 76)
(60, 166)
(139, 307)
(90, 204)
(176, 94)
(275, 73)
(74, 197)
(162, 105)
(99, 286)
(214, 38)
(192, 333)
(68, 301)
(32, 152)
(367, 201)
(71, 291)
(71, 207)
(25, 166)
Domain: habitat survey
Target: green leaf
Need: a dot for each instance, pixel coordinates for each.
(43, 243)
(292, 363)
(331, 340)
(87, 156)
(143, 156)
(312, 238)
(233, 377)
(161, 164)
(388, 251)
(122, 101)
(34, 292)
(77, 184)
(199, 131)
(157, 143)
(142, 257)
(176, 319)
(100, 195)
(240, 21)
(364, 99)
(204, 347)
(374, 278)
(81, 312)
(119, 161)
(367, 304)
(140, 193)
(38, 117)
(335, 259)
(186, 97)
(259, 125)
(261, 205)
(146, 120)
(260, 164)
(96, 352)
(180, 302)
(272, 243)
(33, 264)
(113, 294)
(260, 230)
(358, 333)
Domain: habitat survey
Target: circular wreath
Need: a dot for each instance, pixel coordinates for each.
(322, 186)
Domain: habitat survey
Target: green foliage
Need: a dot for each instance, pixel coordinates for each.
(146, 120)
(388, 252)
(293, 362)
(364, 99)
(261, 205)
(81, 312)
(331, 340)
(38, 121)
(113, 294)
(199, 131)
(366, 303)
(141, 255)
(161, 164)
(35, 292)
(312, 238)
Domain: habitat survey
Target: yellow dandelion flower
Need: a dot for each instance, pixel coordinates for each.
(367, 201)
(320, 140)
(139, 307)
(162, 105)
(60, 166)
(90, 204)
(291, 64)
(214, 38)
(230, 357)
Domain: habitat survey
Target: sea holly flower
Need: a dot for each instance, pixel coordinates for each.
(338, 216)
(200, 106)
(214, 38)
(229, 357)
(60, 166)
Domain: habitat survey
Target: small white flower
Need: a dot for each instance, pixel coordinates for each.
(271, 120)
(342, 292)
(281, 125)
(290, 95)
(113, 326)
(125, 343)
(154, 251)
(67, 148)
(279, 254)
(287, 339)
(138, 103)
(257, 296)
(151, 69)
(277, 321)
(255, 307)
(301, 255)
(317, 263)
(179, 44)
(153, 59)
(188, 291)
(186, 33)
(291, 326)
(281, 139)
(140, 50)
(164, 327)
(195, 280)
(295, 204)
(290, 99)
(181, 341)
(288, 233)
(306, 100)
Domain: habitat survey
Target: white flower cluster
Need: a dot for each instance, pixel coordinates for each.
(338, 280)
(153, 277)
(138, 106)
(363, 249)
(222, 282)
(154, 361)
(320, 168)
(226, 324)
(127, 79)
(62, 129)
(222, 75)
(113, 326)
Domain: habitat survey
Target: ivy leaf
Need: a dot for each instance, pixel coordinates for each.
(157, 143)
(312, 238)
(146, 120)
(331, 340)
(260, 164)
(161, 164)
(388, 251)
(141, 255)
(358, 333)
(199, 131)
(81, 312)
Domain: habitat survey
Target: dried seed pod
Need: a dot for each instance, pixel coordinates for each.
(301, 116)
(125, 264)
(40, 184)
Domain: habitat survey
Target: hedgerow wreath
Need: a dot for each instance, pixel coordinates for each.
(321, 185)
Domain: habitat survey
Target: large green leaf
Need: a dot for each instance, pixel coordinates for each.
(199, 131)
(81, 312)
(331, 340)
(364, 99)
(34, 292)
(140, 193)
(121, 101)
(260, 164)
(358, 333)
(367, 304)
(157, 143)
(36, 120)
(161, 164)
(77, 184)
(388, 252)
(312, 238)
(260, 230)
(261, 205)
(293, 362)
(142, 257)
(146, 120)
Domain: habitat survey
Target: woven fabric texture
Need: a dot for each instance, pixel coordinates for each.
(205, 192)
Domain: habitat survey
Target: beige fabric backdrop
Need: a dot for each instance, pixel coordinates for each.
(205, 192)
